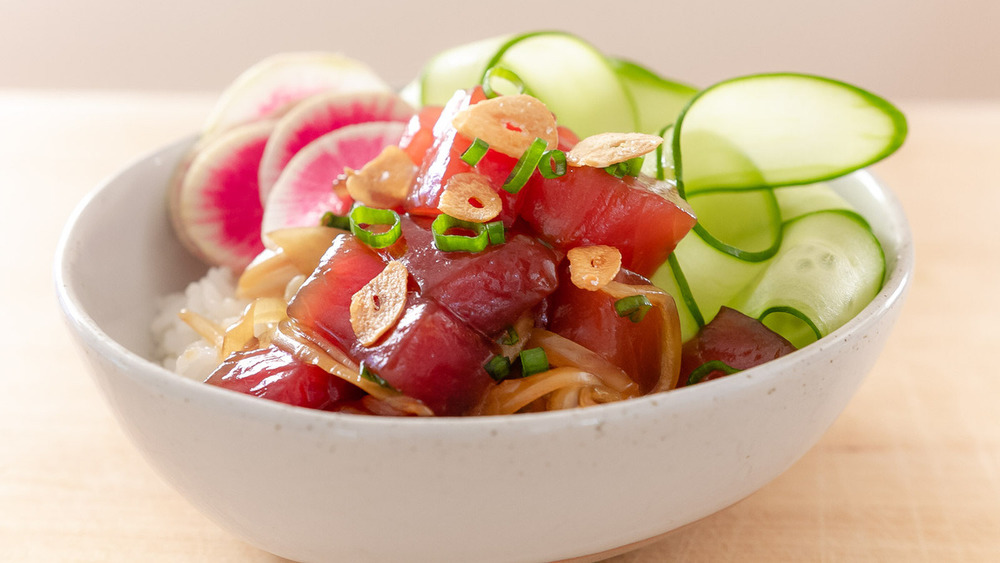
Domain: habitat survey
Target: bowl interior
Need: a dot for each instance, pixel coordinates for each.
(118, 256)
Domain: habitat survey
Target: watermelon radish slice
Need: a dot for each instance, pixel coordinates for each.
(272, 86)
(320, 114)
(304, 190)
(216, 209)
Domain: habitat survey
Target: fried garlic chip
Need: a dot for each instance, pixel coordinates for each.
(377, 306)
(509, 124)
(604, 149)
(469, 197)
(385, 181)
(593, 267)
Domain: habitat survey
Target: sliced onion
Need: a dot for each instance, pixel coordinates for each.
(512, 395)
(670, 358)
(563, 352)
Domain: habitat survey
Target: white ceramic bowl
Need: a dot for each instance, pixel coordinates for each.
(318, 486)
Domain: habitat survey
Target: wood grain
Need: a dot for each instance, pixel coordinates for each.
(909, 472)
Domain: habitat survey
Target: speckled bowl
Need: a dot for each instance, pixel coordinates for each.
(317, 486)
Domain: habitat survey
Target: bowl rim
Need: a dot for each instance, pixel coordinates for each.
(899, 257)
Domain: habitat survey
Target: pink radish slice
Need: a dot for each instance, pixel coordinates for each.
(217, 211)
(320, 114)
(271, 86)
(304, 190)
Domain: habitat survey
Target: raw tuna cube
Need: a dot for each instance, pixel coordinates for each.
(429, 354)
(589, 319)
(274, 374)
(443, 160)
(642, 217)
(488, 290)
(737, 340)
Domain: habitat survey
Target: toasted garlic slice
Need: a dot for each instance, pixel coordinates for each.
(508, 124)
(605, 149)
(469, 197)
(385, 181)
(593, 267)
(377, 306)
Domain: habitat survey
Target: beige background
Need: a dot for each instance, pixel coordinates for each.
(898, 48)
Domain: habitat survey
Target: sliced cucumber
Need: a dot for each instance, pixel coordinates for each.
(794, 128)
(742, 222)
(795, 201)
(829, 267)
(588, 92)
(716, 266)
(701, 278)
(659, 101)
(660, 164)
(457, 68)
(574, 80)
(749, 136)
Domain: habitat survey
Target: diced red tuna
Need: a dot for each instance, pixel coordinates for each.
(589, 319)
(737, 340)
(642, 217)
(488, 290)
(429, 354)
(444, 159)
(272, 373)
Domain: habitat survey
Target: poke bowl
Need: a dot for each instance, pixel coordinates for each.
(311, 485)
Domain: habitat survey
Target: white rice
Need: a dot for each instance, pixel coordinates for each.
(178, 347)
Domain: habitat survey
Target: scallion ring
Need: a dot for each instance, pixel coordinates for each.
(630, 167)
(533, 360)
(634, 166)
(504, 74)
(475, 152)
(634, 307)
(553, 164)
(331, 219)
(363, 215)
(458, 243)
(617, 169)
(498, 367)
(525, 166)
(495, 232)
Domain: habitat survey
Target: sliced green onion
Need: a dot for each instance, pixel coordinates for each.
(634, 307)
(495, 232)
(634, 165)
(362, 215)
(370, 375)
(503, 74)
(533, 360)
(330, 219)
(525, 166)
(616, 170)
(498, 367)
(458, 243)
(553, 164)
(511, 337)
(708, 367)
(630, 167)
(475, 152)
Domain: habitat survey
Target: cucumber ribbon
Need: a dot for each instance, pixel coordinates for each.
(750, 155)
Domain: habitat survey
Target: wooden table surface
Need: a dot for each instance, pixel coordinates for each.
(909, 472)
